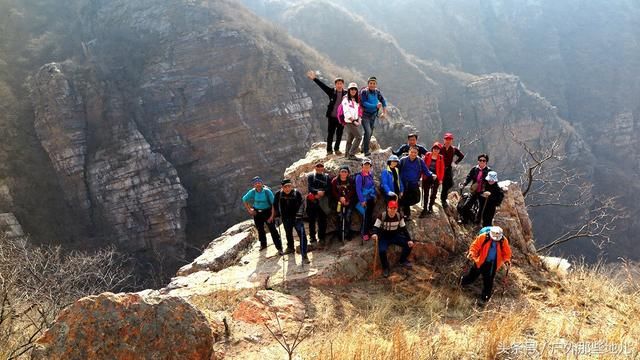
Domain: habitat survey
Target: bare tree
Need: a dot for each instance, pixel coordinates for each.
(36, 283)
(290, 345)
(545, 182)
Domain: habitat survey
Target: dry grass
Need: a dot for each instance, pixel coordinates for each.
(593, 314)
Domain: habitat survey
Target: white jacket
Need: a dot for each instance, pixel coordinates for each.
(351, 110)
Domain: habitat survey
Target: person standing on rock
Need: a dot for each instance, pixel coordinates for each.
(430, 184)
(343, 190)
(390, 180)
(372, 101)
(492, 198)
(259, 204)
(489, 251)
(476, 177)
(412, 169)
(319, 187)
(335, 95)
(350, 114)
(390, 229)
(366, 192)
(412, 140)
(448, 152)
(288, 202)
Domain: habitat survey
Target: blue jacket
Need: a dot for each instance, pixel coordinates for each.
(365, 187)
(411, 171)
(386, 181)
(369, 100)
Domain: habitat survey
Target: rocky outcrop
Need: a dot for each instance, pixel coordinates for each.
(128, 326)
(118, 186)
(9, 226)
(241, 289)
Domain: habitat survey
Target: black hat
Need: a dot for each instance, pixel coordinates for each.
(285, 182)
(372, 78)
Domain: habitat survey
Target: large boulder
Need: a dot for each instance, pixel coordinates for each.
(127, 326)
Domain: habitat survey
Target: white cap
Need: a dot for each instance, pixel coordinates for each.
(496, 233)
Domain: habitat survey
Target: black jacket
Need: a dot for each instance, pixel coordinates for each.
(404, 150)
(473, 175)
(331, 93)
(496, 194)
(319, 183)
(287, 206)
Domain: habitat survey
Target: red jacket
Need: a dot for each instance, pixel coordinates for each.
(439, 165)
(480, 249)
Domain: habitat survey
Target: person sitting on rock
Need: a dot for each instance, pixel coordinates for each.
(287, 204)
(350, 114)
(493, 196)
(412, 169)
(335, 95)
(390, 180)
(488, 252)
(476, 177)
(435, 164)
(412, 140)
(319, 187)
(259, 204)
(366, 191)
(390, 229)
(448, 151)
(343, 190)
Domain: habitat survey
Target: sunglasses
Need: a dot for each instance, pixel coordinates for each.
(482, 160)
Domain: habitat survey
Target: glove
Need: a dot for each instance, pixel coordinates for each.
(486, 194)
(392, 194)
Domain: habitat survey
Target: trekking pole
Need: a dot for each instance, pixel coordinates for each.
(483, 206)
(375, 256)
(505, 281)
(343, 230)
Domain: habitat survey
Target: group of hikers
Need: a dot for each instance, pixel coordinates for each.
(413, 172)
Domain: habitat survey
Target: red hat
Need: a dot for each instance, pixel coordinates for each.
(448, 136)
(392, 204)
(436, 145)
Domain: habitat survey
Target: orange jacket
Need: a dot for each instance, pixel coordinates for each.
(439, 165)
(480, 249)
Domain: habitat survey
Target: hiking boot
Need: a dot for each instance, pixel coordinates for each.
(423, 214)
(407, 264)
(313, 241)
(338, 152)
(289, 251)
(386, 273)
(280, 252)
(263, 247)
(305, 260)
(367, 154)
(445, 204)
(352, 157)
(329, 152)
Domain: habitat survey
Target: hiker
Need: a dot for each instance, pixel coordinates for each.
(343, 189)
(412, 140)
(259, 204)
(430, 184)
(371, 100)
(488, 252)
(412, 168)
(476, 177)
(366, 191)
(319, 186)
(390, 229)
(448, 151)
(288, 202)
(350, 114)
(492, 198)
(390, 180)
(335, 95)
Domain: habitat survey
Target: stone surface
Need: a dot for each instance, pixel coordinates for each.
(9, 226)
(265, 305)
(225, 250)
(127, 326)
